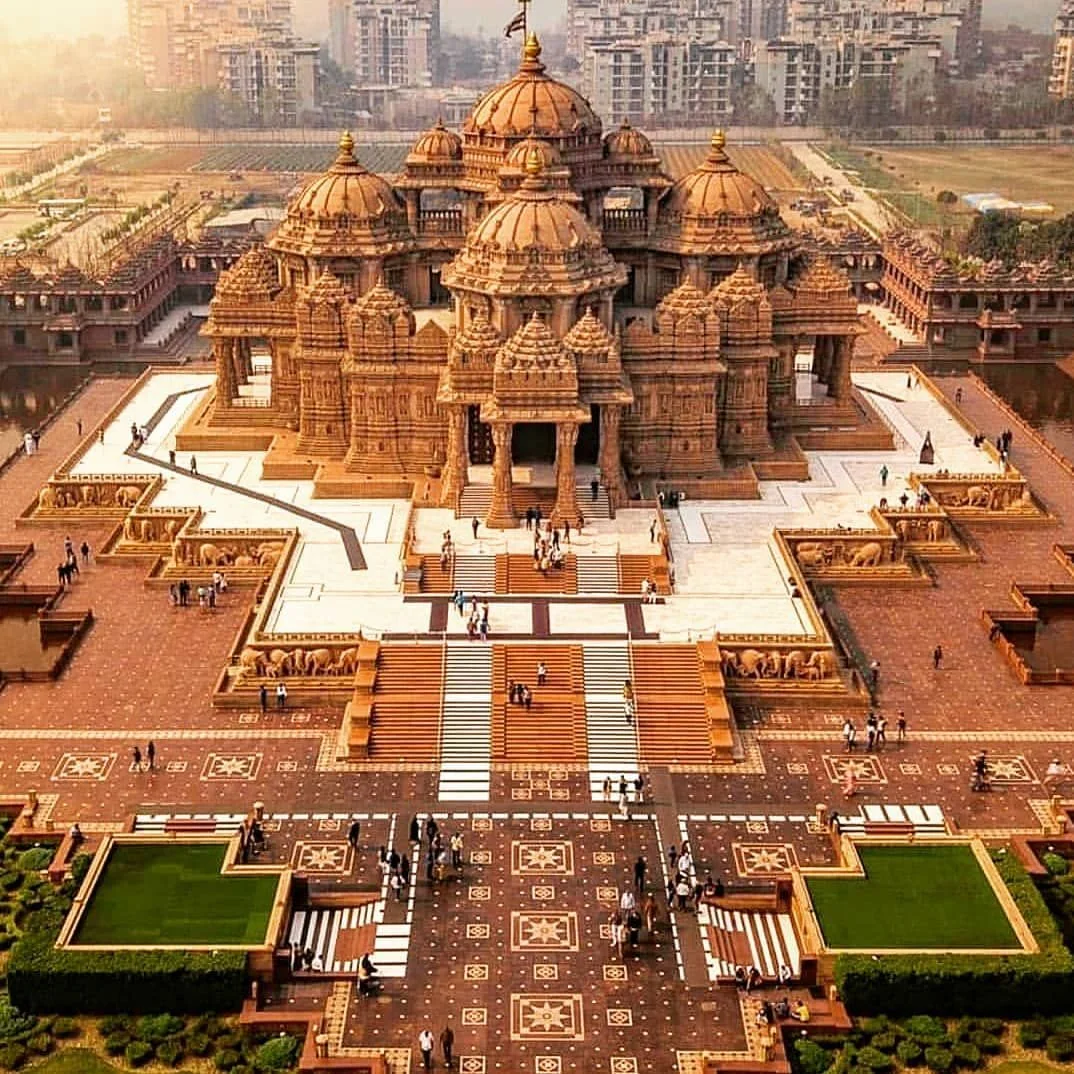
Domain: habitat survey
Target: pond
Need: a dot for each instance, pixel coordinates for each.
(1051, 646)
(22, 647)
(1041, 393)
(28, 395)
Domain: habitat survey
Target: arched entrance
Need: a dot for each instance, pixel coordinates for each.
(587, 447)
(534, 442)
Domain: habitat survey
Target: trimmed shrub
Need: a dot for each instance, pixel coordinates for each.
(138, 1053)
(874, 1059)
(996, 1026)
(64, 1028)
(926, 1029)
(1064, 1023)
(80, 864)
(227, 1059)
(12, 1056)
(40, 1044)
(115, 1043)
(1032, 1034)
(1014, 986)
(872, 1026)
(910, 1053)
(43, 978)
(229, 1039)
(36, 859)
(170, 1052)
(155, 1028)
(1056, 864)
(13, 1023)
(198, 1044)
(988, 1043)
(966, 1055)
(939, 1059)
(885, 1041)
(1059, 1048)
(281, 1053)
(10, 880)
(114, 1023)
(812, 1058)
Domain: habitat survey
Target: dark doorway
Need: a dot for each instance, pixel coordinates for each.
(587, 446)
(479, 438)
(534, 442)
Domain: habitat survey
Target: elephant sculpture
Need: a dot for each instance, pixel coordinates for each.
(127, 495)
(868, 555)
(820, 665)
(244, 561)
(211, 555)
(811, 554)
(936, 530)
(978, 496)
(320, 662)
(88, 495)
(269, 560)
(794, 664)
(752, 662)
(171, 527)
(252, 661)
(46, 498)
(279, 663)
(146, 530)
(347, 664)
(905, 529)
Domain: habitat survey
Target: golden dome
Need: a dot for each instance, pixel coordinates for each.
(520, 153)
(438, 145)
(533, 102)
(716, 187)
(627, 141)
(588, 335)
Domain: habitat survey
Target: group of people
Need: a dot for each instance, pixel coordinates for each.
(750, 977)
(622, 792)
(139, 434)
(31, 441)
(876, 732)
(150, 763)
(179, 592)
(648, 591)
(68, 569)
(626, 921)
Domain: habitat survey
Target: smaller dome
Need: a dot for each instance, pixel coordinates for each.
(546, 153)
(627, 142)
(381, 300)
(438, 145)
(686, 300)
(588, 335)
(716, 187)
(347, 191)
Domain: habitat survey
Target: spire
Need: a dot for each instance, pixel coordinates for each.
(346, 148)
(717, 152)
(531, 54)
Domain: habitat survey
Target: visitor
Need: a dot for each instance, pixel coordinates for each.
(542, 673)
(136, 759)
(1056, 772)
(900, 727)
(937, 658)
(281, 696)
(151, 755)
(354, 833)
(85, 551)
(193, 465)
(801, 1011)
(447, 1045)
(474, 525)
(884, 476)
(262, 697)
(850, 733)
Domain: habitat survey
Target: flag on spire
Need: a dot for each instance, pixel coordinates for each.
(516, 24)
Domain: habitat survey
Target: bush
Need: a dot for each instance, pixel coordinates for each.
(198, 1044)
(812, 1058)
(64, 1028)
(885, 1041)
(988, 1043)
(43, 978)
(1059, 1048)
(80, 864)
(910, 1053)
(966, 1055)
(871, 1026)
(939, 1059)
(1032, 1034)
(114, 1023)
(229, 1039)
(155, 1028)
(1056, 864)
(115, 1043)
(1014, 986)
(925, 1029)
(170, 1052)
(281, 1053)
(40, 1044)
(1064, 1023)
(874, 1059)
(10, 880)
(36, 859)
(12, 1056)
(13, 1023)
(226, 1059)
(138, 1053)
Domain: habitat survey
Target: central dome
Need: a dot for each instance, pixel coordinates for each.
(533, 103)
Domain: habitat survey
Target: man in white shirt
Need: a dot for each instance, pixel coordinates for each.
(426, 1041)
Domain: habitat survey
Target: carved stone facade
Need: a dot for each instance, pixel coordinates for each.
(491, 307)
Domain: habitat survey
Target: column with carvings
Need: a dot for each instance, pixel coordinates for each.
(453, 476)
(501, 514)
(566, 508)
(781, 386)
(839, 383)
(226, 385)
(611, 466)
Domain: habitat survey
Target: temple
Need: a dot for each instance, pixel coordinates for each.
(533, 295)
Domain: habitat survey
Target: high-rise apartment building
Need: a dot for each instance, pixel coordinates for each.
(385, 43)
(1061, 78)
(241, 47)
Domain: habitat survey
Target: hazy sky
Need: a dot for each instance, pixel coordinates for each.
(71, 18)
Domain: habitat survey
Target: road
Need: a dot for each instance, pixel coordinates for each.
(871, 212)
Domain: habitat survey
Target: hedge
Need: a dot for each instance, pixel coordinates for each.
(45, 979)
(1011, 986)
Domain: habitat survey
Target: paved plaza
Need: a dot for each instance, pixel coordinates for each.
(513, 949)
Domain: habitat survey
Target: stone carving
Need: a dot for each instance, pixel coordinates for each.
(868, 555)
(297, 663)
(755, 664)
(46, 498)
(127, 495)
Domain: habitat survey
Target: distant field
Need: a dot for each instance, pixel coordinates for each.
(756, 160)
(1021, 173)
(386, 159)
(167, 159)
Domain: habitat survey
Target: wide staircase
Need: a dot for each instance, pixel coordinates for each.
(590, 508)
(466, 732)
(476, 499)
(633, 569)
(749, 938)
(597, 574)
(673, 725)
(474, 574)
(434, 577)
(405, 718)
(553, 730)
(516, 573)
(611, 742)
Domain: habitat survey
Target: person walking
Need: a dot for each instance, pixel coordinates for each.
(606, 788)
(78, 427)
(937, 658)
(456, 851)
(900, 728)
(171, 457)
(353, 834)
(884, 476)
(136, 759)
(281, 696)
(881, 732)
(874, 673)
(447, 1046)
(594, 488)
(542, 673)
(850, 733)
(639, 789)
(193, 465)
(151, 755)
(474, 524)
(262, 696)
(425, 1045)
(415, 831)
(639, 875)
(652, 532)
(85, 550)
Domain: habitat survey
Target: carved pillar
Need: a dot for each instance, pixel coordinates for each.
(412, 209)
(781, 392)
(822, 358)
(611, 467)
(839, 383)
(455, 469)
(226, 384)
(566, 508)
(501, 510)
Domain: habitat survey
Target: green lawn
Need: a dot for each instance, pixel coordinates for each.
(173, 893)
(81, 1061)
(912, 897)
